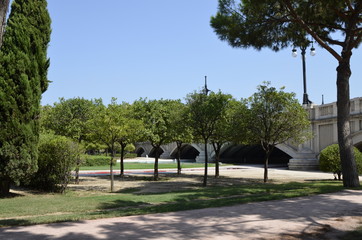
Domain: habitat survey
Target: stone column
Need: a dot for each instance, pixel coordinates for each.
(166, 155)
(201, 157)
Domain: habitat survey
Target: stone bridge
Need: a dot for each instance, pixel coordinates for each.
(302, 157)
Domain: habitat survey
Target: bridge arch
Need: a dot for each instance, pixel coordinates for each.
(140, 151)
(357, 140)
(153, 152)
(188, 152)
(254, 154)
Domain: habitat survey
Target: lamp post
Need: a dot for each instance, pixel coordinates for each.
(206, 90)
(295, 54)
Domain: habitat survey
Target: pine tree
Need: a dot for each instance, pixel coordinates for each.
(23, 78)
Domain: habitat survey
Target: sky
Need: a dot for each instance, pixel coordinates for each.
(164, 49)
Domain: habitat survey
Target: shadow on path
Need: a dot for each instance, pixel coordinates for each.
(262, 220)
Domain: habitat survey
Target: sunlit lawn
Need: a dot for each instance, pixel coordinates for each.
(45, 208)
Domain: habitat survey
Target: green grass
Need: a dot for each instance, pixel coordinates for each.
(46, 208)
(133, 165)
(352, 235)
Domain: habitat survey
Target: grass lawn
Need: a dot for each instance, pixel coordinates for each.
(134, 165)
(79, 205)
(353, 235)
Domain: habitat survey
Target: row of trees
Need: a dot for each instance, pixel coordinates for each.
(278, 24)
(269, 117)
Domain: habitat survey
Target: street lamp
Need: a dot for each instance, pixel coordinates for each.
(206, 90)
(295, 54)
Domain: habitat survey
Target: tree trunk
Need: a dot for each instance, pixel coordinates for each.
(77, 165)
(76, 181)
(123, 146)
(349, 167)
(266, 163)
(179, 144)
(4, 187)
(217, 148)
(111, 171)
(4, 6)
(217, 166)
(155, 171)
(206, 165)
(268, 151)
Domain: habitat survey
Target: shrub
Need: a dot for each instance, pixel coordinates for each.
(95, 160)
(57, 157)
(329, 160)
(130, 155)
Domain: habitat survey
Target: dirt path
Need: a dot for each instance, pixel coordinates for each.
(298, 218)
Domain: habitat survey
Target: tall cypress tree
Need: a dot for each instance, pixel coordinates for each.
(23, 78)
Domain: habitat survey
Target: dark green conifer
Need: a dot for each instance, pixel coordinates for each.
(23, 78)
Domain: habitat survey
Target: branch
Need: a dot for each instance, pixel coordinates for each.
(349, 5)
(334, 42)
(358, 40)
(310, 31)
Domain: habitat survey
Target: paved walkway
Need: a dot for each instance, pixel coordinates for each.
(283, 219)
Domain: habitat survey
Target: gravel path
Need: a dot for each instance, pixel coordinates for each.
(297, 218)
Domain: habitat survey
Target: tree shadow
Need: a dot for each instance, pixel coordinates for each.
(258, 220)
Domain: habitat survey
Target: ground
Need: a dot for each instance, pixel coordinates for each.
(331, 226)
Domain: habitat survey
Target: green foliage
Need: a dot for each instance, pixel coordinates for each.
(206, 116)
(180, 128)
(57, 157)
(276, 117)
(23, 78)
(278, 24)
(95, 160)
(205, 111)
(156, 116)
(68, 117)
(330, 161)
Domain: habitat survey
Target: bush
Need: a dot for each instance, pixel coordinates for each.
(329, 160)
(57, 157)
(95, 160)
(130, 155)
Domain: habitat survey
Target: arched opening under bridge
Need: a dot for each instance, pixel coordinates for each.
(253, 154)
(188, 153)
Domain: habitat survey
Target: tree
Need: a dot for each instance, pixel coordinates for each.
(70, 118)
(276, 117)
(224, 129)
(330, 161)
(181, 130)
(277, 24)
(156, 117)
(23, 78)
(130, 129)
(105, 127)
(4, 6)
(204, 112)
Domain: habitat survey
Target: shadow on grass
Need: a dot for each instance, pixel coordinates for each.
(239, 222)
(352, 235)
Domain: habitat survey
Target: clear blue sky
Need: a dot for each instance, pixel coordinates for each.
(163, 49)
